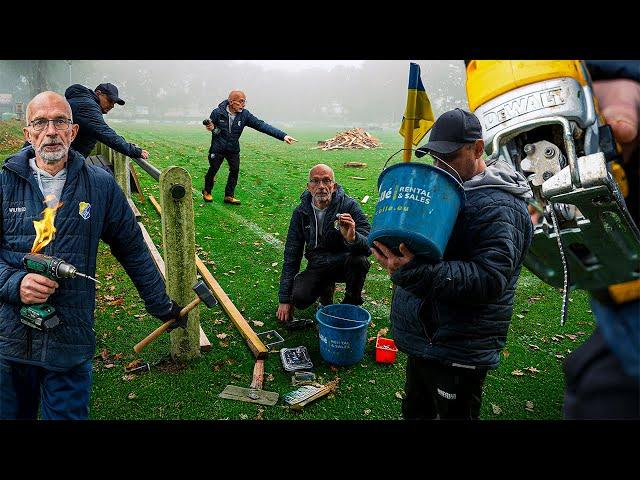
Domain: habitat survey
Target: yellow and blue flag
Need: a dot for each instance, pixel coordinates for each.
(418, 116)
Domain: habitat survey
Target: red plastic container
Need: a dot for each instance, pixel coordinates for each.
(385, 350)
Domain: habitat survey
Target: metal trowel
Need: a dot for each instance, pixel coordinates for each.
(253, 394)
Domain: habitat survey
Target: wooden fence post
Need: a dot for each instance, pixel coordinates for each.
(179, 243)
(121, 172)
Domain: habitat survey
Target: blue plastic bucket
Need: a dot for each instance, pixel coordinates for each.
(417, 205)
(343, 333)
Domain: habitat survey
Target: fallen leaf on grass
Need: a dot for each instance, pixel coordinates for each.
(223, 344)
(118, 327)
(274, 264)
(129, 376)
(534, 347)
(371, 339)
(222, 336)
(572, 337)
(496, 409)
(260, 415)
(333, 368)
(244, 416)
(559, 357)
(258, 323)
(109, 365)
(529, 406)
(270, 377)
(367, 411)
(131, 396)
(382, 332)
(517, 373)
(117, 356)
(555, 339)
(532, 370)
(400, 395)
(505, 353)
(519, 315)
(372, 381)
(104, 354)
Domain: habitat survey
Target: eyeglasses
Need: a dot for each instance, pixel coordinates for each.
(241, 102)
(318, 181)
(40, 124)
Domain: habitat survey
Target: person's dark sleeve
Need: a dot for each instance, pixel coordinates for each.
(496, 246)
(122, 233)
(10, 277)
(262, 126)
(609, 69)
(293, 251)
(90, 119)
(359, 245)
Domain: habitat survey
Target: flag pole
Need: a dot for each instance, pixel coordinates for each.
(410, 113)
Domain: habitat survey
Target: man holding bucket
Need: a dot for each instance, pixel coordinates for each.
(451, 316)
(331, 229)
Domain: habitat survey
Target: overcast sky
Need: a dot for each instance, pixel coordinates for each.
(298, 65)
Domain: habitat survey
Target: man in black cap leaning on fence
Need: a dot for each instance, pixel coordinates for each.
(88, 106)
(452, 316)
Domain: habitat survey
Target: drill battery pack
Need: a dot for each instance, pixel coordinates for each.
(40, 317)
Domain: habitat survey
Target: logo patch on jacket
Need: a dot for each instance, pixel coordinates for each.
(84, 210)
(17, 207)
(238, 122)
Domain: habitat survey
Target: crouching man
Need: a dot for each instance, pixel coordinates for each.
(331, 230)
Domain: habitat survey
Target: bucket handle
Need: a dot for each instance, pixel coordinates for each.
(459, 179)
(346, 319)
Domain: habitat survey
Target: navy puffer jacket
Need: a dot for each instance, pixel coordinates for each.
(458, 311)
(320, 250)
(87, 113)
(225, 140)
(108, 217)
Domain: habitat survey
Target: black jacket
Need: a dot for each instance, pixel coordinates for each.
(320, 250)
(224, 140)
(458, 310)
(87, 113)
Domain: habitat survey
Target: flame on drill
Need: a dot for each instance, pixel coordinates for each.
(44, 228)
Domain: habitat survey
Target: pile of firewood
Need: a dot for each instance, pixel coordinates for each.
(354, 138)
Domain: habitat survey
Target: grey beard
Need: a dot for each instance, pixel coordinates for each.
(317, 198)
(51, 158)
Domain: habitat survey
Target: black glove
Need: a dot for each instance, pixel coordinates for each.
(174, 313)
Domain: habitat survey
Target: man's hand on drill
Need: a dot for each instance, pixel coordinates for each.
(619, 101)
(35, 288)
(175, 313)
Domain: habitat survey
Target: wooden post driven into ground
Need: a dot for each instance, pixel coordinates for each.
(258, 348)
(121, 172)
(179, 244)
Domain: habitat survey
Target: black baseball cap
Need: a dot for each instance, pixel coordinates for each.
(111, 91)
(451, 131)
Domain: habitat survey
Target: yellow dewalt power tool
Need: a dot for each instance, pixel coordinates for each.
(541, 116)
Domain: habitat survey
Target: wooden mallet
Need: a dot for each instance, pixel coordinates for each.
(204, 295)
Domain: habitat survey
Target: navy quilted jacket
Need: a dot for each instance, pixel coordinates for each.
(225, 140)
(458, 310)
(76, 241)
(85, 107)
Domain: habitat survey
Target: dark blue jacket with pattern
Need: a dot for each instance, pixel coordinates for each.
(93, 208)
(457, 311)
(227, 140)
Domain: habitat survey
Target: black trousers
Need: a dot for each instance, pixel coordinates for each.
(313, 282)
(437, 391)
(215, 161)
(596, 386)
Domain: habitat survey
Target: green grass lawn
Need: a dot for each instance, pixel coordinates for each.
(243, 247)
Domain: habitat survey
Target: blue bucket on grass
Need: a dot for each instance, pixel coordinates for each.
(417, 205)
(343, 333)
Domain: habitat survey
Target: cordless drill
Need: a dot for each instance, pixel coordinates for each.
(43, 316)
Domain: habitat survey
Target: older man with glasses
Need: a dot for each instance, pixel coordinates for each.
(226, 124)
(51, 367)
(331, 230)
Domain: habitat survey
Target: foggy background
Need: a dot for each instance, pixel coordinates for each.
(370, 93)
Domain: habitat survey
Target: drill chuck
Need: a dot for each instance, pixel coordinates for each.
(51, 267)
